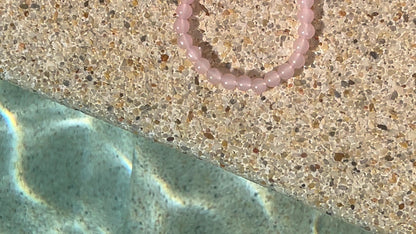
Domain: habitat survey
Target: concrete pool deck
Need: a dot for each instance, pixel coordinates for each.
(340, 135)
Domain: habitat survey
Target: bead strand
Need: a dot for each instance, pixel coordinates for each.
(229, 81)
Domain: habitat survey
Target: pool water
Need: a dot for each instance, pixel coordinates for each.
(62, 171)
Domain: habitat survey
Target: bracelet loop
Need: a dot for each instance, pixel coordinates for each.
(229, 81)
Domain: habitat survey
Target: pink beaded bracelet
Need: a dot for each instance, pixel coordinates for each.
(229, 81)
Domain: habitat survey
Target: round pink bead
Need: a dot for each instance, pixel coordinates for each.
(214, 76)
(181, 25)
(229, 81)
(305, 3)
(306, 30)
(194, 53)
(259, 85)
(244, 83)
(305, 15)
(202, 65)
(297, 60)
(185, 41)
(187, 1)
(285, 71)
(301, 45)
(272, 79)
(184, 11)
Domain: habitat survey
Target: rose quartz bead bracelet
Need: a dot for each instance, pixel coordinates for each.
(229, 81)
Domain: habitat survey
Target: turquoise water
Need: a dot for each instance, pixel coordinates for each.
(62, 171)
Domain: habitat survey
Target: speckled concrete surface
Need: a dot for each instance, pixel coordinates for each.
(340, 135)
